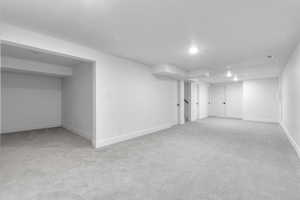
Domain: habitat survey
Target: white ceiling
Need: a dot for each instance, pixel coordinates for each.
(36, 55)
(230, 32)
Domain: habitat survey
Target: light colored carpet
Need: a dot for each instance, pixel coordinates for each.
(213, 159)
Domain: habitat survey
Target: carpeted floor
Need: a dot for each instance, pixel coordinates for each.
(213, 159)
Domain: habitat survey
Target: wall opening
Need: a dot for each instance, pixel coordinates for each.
(42, 90)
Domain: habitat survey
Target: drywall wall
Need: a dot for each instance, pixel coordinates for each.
(30, 102)
(290, 99)
(29, 66)
(234, 100)
(135, 101)
(169, 71)
(260, 100)
(203, 100)
(77, 101)
(130, 101)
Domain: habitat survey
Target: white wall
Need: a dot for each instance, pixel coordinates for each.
(30, 102)
(290, 98)
(203, 100)
(260, 100)
(129, 99)
(77, 101)
(254, 100)
(133, 101)
(29, 66)
(234, 100)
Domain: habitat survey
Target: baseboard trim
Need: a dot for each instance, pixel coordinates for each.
(264, 120)
(291, 139)
(203, 117)
(76, 131)
(31, 129)
(122, 138)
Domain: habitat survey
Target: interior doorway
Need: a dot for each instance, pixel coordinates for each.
(192, 101)
(187, 101)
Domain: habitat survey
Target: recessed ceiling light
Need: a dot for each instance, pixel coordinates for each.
(229, 73)
(235, 78)
(193, 50)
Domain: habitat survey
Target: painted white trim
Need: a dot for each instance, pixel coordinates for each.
(291, 139)
(203, 117)
(32, 129)
(12, 64)
(76, 131)
(121, 138)
(246, 119)
(260, 120)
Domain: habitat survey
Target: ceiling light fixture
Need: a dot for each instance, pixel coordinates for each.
(235, 78)
(193, 50)
(229, 73)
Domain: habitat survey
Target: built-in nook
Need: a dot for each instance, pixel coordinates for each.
(42, 89)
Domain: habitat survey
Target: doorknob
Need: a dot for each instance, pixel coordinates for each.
(224, 102)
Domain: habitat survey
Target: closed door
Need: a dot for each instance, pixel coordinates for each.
(234, 93)
(226, 100)
(217, 101)
(194, 101)
(203, 99)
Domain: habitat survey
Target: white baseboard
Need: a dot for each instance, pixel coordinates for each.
(121, 138)
(265, 120)
(203, 117)
(81, 133)
(291, 139)
(29, 129)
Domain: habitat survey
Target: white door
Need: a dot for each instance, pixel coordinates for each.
(203, 100)
(210, 101)
(234, 93)
(198, 101)
(194, 101)
(217, 101)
